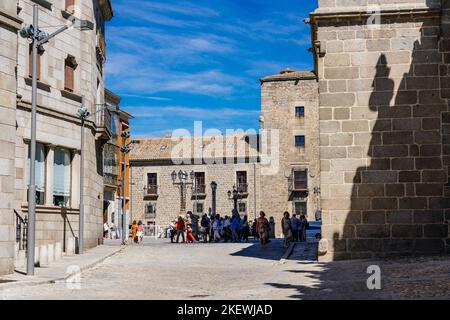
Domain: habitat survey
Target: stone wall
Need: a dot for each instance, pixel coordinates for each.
(384, 159)
(9, 24)
(279, 97)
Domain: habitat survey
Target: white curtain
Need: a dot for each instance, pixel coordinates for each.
(40, 167)
(61, 173)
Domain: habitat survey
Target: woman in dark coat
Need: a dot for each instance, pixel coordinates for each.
(287, 229)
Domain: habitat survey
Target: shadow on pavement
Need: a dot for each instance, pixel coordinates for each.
(273, 251)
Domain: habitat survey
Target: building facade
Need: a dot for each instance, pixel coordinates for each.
(384, 126)
(220, 166)
(69, 66)
(289, 106)
(10, 23)
(111, 154)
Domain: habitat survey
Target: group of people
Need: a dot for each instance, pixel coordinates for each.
(294, 229)
(206, 229)
(137, 232)
(234, 228)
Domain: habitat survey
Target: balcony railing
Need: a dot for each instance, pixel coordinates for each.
(242, 188)
(103, 123)
(199, 189)
(110, 179)
(152, 190)
(150, 216)
(298, 184)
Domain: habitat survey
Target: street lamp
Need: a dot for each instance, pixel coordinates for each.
(38, 38)
(235, 195)
(182, 183)
(125, 149)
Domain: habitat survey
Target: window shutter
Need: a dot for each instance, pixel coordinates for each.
(70, 6)
(68, 84)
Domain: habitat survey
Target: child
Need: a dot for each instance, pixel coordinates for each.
(190, 236)
(140, 232)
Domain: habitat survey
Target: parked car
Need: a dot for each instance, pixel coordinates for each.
(314, 230)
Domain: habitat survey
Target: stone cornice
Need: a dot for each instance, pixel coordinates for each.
(169, 162)
(359, 14)
(25, 105)
(13, 22)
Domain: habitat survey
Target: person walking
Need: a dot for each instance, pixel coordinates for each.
(304, 224)
(217, 226)
(286, 225)
(106, 230)
(180, 229)
(245, 229)
(227, 229)
(134, 232)
(295, 222)
(271, 228)
(173, 230)
(205, 224)
(235, 228)
(140, 232)
(262, 227)
(255, 229)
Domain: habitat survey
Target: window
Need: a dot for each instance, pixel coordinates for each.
(300, 180)
(300, 208)
(152, 183)
(299, 141)
(61, 177)
(30, 62)
(40, 172)
(242, 207)
(241, 178)
(151, 209)
(70, 65)
(70, 6)
(200, 182)
(199, 207)
(300, 112)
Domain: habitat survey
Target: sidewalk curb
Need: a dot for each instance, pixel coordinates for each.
(25, 283)
(287, 254)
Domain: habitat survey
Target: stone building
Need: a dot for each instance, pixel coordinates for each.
(289, 106)
(384, 126)
(230, 162)
(10, 23)
(69, 66)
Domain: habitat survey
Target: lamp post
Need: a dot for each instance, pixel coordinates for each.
(38, 38)
(214, 199)
(182, 183)
(235, 195)
(83, 114)
(125, 149)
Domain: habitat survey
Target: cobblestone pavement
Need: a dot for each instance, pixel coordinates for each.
(160, 270)
(406, 278)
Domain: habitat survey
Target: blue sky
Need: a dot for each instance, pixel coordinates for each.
(176, 62)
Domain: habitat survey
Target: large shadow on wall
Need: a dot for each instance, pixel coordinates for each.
(397, 202)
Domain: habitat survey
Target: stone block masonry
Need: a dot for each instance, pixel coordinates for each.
(384, 90)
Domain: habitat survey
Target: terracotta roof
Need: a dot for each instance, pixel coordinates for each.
(214, 147)
(290, 75)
